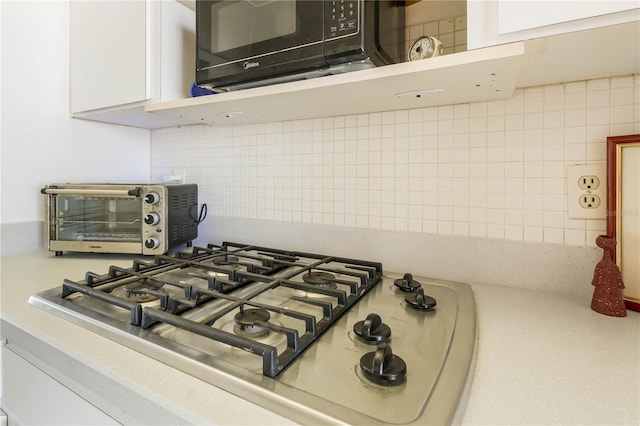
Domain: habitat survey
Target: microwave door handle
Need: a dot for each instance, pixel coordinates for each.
(63, 191)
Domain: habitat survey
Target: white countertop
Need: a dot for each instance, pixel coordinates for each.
(543, 358)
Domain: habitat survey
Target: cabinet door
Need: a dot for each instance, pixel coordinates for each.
(178, 51)
(108, 54)
(524, 15)
(492, 22)
(31, 397)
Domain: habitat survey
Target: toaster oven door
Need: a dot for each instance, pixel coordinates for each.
(95, 223)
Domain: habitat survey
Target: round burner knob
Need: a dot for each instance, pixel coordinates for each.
(152, 218)
(383, 367)
(418, 300)
(152, 243)
(152, 198)
(407, 283)
(372, 329)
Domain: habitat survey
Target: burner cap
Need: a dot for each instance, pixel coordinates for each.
(322, 279)
(225, 260)
(140, 291)
(250, 322)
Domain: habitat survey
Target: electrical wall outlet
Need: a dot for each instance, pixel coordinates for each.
(588, 182)
(587, 191)
(589, 201)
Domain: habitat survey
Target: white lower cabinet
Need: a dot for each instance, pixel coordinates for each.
(29, 396)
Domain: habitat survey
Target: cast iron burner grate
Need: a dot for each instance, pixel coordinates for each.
(220, 272)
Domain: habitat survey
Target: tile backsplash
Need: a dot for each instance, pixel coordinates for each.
(452, 33)
(493, 170)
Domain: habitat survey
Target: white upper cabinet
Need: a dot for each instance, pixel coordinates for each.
(108, 60)
(126, 54)
(491, 22)
(133, 62)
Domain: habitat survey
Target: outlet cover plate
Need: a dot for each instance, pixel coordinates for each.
(577, 173)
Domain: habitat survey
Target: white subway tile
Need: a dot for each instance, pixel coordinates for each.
(445, 227)
(622, 114)
(598, 84)
(553, 136)
(496, 123)
(533, 137)
(596, 225)
(430, 28)
(574, 237)
(495, 231)
(401, 116)
(553, 153)
(533, 234)
(513, 153)
(430, 226)
(514, 233)
(533, 102)
(623, 129)
(478, 230)
(514, 105)
(533, 218)
(514, 122)
(598, 115)
(513, 186)
(533, 153)
(495, 108)
(553, 235)
(596, 152)
(534, 120)
(478, 109)
(460, 22)
(460, 228)
(446, 25)
(415, 116)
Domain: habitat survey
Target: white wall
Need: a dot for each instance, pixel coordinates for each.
(41, 144)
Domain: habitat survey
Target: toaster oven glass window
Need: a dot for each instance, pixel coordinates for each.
(98, 219)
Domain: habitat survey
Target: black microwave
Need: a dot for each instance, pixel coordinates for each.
(248, 43)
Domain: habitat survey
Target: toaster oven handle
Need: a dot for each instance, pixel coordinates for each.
(66, 191)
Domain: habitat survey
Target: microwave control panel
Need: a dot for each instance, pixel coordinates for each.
(341, 18)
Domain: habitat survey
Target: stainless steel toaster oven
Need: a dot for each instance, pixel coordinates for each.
(146, 219)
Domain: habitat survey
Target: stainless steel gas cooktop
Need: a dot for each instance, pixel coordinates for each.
(312, 337)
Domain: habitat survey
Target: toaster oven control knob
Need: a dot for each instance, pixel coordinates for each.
(152, 198)
(152, 218)
(372, 329)
(383, 367)
(152, 243)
